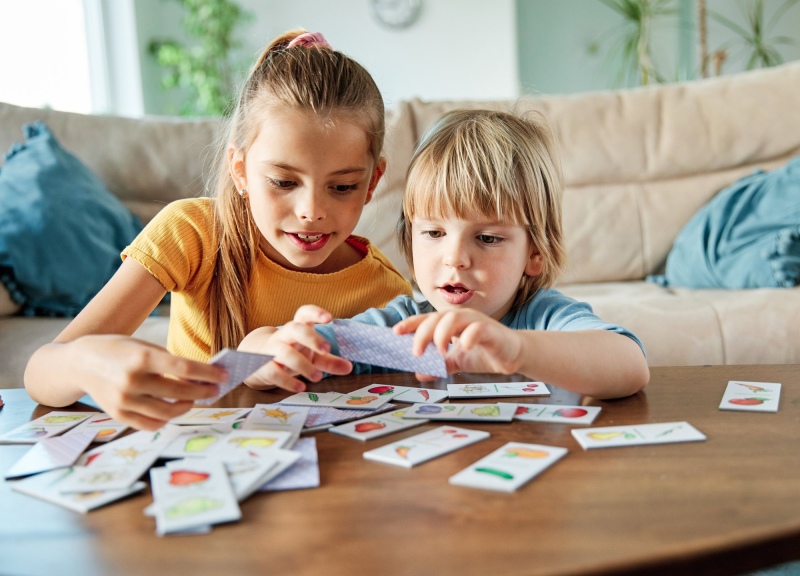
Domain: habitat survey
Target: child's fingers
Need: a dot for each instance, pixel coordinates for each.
(410, 324)
(311, 314)
(304, 335)
(275, 374)
(333, 364)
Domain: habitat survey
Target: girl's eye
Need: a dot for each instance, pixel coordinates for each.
(344, 188)
(432, 233)
(489, 239)
(281, 183)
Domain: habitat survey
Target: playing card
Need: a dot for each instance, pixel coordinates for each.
(246, 474)
(352, 401)
(497, 389)
(376, 426)
(556, 413)
(277, 417)
(195, 441)
(51, 453)
(426, 446)
(51, 424)
(413, 395)
(198, 416)
(196, 493)
(637, 434)
(297, 469)
(46, 487)
(105, 427)
(323, 417)
(380, 346)
(119, 463)
(751, 396)
(483, 412)
(508, 467)
(239, 366)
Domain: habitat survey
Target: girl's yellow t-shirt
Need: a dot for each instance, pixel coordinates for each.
(178, 247)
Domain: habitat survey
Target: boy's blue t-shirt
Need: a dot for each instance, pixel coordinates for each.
(547, 310)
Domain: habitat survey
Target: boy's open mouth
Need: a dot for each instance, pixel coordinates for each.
(455, 294)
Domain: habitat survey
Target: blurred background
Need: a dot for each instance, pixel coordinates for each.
(167, 57)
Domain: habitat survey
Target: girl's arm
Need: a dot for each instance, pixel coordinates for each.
(596, 363)
(128, 378)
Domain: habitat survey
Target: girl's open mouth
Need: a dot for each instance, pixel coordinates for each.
(309, 242)
(455, 293)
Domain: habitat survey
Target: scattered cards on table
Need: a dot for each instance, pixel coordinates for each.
(497, 389)
(637, 434)
(51, 424)
(508, 467)
(751, 396)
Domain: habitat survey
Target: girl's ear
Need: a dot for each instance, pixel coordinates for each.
(535, 263)
(377, 174)
(236, 167)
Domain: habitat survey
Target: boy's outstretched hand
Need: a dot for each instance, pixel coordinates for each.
(298, 350)
(469, 340)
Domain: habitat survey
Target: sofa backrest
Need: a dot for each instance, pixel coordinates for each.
(638, 163)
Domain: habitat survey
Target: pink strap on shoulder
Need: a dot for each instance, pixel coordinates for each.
(310, 39)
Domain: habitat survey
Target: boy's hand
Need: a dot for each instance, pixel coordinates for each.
(298, 350)
(469, 340)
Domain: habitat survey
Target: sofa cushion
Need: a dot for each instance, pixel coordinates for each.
(748, 236)
(61, 231)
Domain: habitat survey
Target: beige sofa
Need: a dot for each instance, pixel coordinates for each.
(638, 164)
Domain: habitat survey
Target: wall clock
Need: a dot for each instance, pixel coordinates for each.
(396, 13)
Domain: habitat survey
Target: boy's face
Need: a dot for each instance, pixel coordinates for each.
(307, 181)
(474, 264)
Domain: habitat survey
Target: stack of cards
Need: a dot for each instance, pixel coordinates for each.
(751, 396)
(426, 446)
(508, 467)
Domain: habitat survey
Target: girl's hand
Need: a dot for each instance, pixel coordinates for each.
(299, 350)
(469, 340)
(139, 383)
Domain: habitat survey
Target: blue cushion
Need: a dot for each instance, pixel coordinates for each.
(61, 230)
(747, 236)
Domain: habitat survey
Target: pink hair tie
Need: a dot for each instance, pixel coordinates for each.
(309, 39)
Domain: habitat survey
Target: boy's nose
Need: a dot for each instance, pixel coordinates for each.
(456, 255)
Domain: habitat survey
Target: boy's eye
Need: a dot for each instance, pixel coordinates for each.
(281, 183)
(344, 188)
(489, 239)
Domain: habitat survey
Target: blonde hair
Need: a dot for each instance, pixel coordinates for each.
(314, 78)
(483, 163)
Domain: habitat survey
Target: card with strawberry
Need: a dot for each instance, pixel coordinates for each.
(497, 389)
(556, 413)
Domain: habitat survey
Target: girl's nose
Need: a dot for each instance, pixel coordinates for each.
(309, 207)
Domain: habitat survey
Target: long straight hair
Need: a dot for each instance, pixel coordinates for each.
(314, 78)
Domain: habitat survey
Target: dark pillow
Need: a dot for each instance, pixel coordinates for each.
(747, 236)
(61, 230)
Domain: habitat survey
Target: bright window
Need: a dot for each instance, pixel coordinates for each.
(45, 62)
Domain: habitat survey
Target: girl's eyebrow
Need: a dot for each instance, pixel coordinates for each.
(340, 172)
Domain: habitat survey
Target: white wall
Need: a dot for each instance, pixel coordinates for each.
(455, 49)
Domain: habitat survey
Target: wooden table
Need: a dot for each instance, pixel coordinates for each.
(723, 506)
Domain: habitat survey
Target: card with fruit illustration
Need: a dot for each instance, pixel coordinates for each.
(376, 426)
(484, 412)
(195, 493)
(105, 427)
(556, 413)
(414, 450)
(421, 395)
(637, 434)
(277, 417)
(51, 424)
(323, 417)
(751, 396)
(380, 346)
(497, 389)
(199, 416)
(508, 467)
(356, 400)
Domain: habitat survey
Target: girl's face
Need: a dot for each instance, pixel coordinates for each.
(307, 181)
(475, 264)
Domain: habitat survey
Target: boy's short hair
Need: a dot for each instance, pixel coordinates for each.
(491, 164)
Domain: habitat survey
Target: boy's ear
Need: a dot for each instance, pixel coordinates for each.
(236, 167)
(535, 263)
(377, 174)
